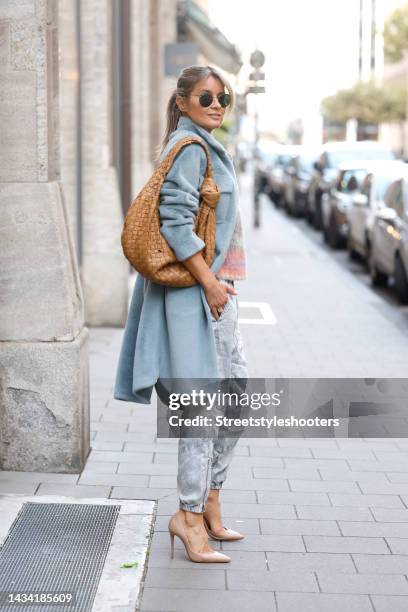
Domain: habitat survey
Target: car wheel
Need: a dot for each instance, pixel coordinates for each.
(296, 209)
(378, 278)
(401, 280)
(334, 238)
(367, 256)
(272, 196)
(277, 200)
(352, 253)
(317, 217)
(326, 236)
(269, 193)
(309, 215)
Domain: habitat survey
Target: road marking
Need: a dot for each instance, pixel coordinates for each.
(267, 317)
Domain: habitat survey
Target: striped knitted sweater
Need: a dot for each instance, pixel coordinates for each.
(234, 266)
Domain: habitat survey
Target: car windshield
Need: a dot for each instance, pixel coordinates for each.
(284, 160)
(306, 162)
(382, 182)
(335, 158)
(347, 183)
(267, 155)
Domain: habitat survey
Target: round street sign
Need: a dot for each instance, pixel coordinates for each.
(257, 59)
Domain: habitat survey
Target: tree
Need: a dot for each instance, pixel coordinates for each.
(367, 102)
(396, 34)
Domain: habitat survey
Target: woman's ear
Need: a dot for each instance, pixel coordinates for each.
(181, 103)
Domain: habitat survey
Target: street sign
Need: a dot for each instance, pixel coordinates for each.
(256, 89)
(177, 56)
(257, 59)
(257, 76)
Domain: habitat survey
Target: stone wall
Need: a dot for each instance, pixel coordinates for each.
(105, 270)
(43, 412)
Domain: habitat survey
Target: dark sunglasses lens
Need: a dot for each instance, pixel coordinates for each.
(205, 99)
(224, 99)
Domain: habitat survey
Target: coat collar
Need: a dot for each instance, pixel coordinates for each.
(186, 123)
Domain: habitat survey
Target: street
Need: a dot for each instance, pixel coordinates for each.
(326, 520)
(330, 322)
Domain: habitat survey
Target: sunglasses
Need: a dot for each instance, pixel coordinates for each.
(206, 99)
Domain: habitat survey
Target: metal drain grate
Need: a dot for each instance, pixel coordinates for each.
(56, 548)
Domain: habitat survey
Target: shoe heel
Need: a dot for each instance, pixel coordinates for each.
(171, 545)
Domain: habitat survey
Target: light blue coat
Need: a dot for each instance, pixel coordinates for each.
(169, 332)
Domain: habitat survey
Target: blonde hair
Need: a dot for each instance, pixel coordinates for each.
(188, 78)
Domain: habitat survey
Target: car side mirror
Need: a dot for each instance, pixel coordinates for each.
(360, 199)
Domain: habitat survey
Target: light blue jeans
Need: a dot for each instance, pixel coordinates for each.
(203, 462)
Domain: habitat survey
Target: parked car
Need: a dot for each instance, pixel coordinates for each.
(389, 248)
(265, 157)
(337, 200)
(278, 176)
(244, 155)
(298, 175)
(367, 202)
(325, 168)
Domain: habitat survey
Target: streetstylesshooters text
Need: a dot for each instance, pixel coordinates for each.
(253, 401)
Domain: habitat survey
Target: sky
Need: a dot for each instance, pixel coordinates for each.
(311, 50)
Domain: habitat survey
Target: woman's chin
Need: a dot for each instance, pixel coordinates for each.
(215, 123)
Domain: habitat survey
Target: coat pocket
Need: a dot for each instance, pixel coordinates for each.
(226, 186)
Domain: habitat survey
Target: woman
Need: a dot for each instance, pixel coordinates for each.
(192, 332)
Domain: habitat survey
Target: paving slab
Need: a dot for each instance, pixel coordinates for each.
(322, 602)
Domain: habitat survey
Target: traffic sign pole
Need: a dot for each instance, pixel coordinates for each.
(257, 60)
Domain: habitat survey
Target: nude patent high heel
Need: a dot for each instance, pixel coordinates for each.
(229, 536)
(176, 527)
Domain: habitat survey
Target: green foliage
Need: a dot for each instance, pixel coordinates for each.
(396, 34)
(223, 133)
(366, 102)
(130, 565)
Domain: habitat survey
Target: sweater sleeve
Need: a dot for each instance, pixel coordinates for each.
(180, 199)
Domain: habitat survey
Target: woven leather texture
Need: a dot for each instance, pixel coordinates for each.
(142, 242)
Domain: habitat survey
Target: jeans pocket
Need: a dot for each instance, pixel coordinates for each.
(225, 309)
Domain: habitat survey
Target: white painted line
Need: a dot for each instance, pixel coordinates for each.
(266, 312)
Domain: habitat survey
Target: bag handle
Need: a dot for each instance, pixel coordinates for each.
(168, 160)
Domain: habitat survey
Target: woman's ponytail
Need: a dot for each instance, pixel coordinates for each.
(173, 113)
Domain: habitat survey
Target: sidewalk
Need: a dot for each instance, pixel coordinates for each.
(326, 520)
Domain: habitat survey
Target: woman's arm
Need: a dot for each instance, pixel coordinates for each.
(179, 204)
(180, 200)
(215, 291)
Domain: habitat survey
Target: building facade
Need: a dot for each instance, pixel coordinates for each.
(84, 90)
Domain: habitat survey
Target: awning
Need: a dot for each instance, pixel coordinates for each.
(194, 26)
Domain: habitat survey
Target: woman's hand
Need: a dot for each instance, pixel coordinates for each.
(215, 291)
(216, 296)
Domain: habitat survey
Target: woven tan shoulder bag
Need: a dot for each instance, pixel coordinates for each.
(142, 242)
